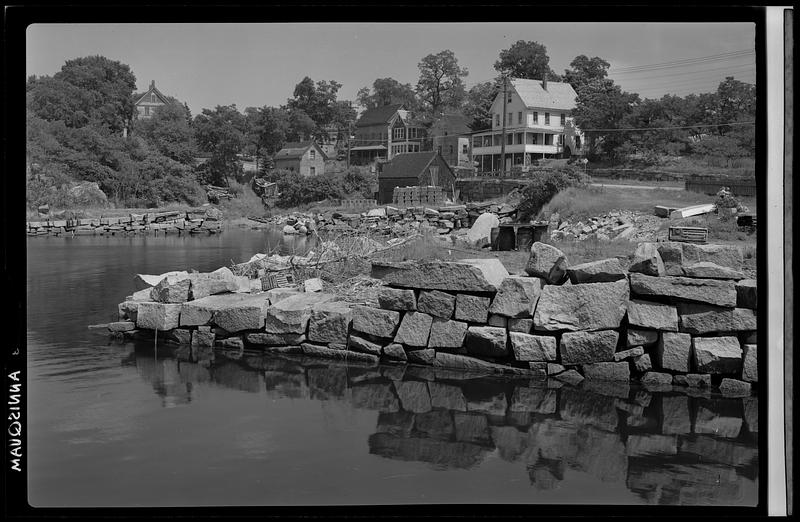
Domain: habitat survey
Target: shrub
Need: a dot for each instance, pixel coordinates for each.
(546, 185)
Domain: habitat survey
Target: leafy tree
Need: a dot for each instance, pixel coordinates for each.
(478, 105)
(526, 60)
(584, 69)
(267, 128)
(301, 126)
(86, 90)
(170, 132)
(441, 83)
(220, 132)
(541, 190)
(603, 105)
(315, 100)
(387, 91)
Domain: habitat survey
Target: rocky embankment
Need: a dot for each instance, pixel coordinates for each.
(205, 221)
(681, 315)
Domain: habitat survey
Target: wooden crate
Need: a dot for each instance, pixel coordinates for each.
(688, 234)
(280, 279)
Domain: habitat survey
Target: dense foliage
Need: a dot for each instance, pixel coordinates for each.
(295, 189)
(544, 186)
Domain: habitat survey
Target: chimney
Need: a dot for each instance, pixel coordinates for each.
(544, 82)
(152, 84)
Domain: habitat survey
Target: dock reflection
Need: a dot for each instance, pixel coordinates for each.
(668, 448)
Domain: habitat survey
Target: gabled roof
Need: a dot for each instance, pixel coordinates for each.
(158, 93)
(451, 124)
(378, 115)
(407, 165)
(295, 150)
(559, 95)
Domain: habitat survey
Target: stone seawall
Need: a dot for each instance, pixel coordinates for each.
(681, 315)
(178, 222)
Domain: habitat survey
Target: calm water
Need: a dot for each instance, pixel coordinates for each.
(114, 424)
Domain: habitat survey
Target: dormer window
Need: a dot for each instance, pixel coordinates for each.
(152, 97)
(312, 154)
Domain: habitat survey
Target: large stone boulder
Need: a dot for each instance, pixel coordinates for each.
(415, 328)
(536, 348)
(712, 291)
(734, 388)
(647, 260)
(588, 347)
(630, 353)
(486, 340)
(466, 275)
(158, 316)
(204, 285)
(480, 233)
(372, 321)
(436, 303)
(708, 270)
(447, 334)
(717, 355)
(292, 314)
(233, 312)
(547, 262)
(397, 299)
(723, 255)
(750, 363)
(358, 344)
(647, 314)
(671, 253)
(747, 294)
(143, 281)
(172, 289)
(395, 352)
(462, 362)
(329, 323)
(637, 337)
(425, 356)
(603, 271)
(517, 296)
(313, 350)
(702, 318)
(471, 308)
(607, 371)
(275, 339)
(590, 306)
(520, 324)
(674, 351)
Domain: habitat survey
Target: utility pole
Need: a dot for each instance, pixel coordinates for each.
(349, 125)
(503, 142)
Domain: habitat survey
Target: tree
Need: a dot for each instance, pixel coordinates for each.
(86, 90)
(170, 132)
(315, 100)
(584, 69)
(220, 132)
(301, 126)
(603, 105)
(441, 83)
(387, 91)
(267, 129)
(526, 60)
(478, 105)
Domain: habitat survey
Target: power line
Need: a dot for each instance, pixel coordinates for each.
(685, 73)
(701, 125)
(686, 61)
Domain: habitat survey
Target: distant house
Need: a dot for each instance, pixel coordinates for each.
(450, 135)
(413, 169)
(147, 103)
(305, 157)
(538, 124)
(383, 132)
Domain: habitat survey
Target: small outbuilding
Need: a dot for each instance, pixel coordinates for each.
(305, 157)
(414, 169)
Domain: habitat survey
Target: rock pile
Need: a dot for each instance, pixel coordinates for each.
(205, 221)
(618, 224)
(680, 315)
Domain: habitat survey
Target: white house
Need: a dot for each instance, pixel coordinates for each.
(539, 124)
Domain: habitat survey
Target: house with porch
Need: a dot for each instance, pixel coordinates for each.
(538, 124)
(383, 132)
(305, 157)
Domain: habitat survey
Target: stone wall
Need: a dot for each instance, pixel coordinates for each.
(680, 315)
(180, 222)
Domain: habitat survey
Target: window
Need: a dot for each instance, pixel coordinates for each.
(496, 120)
(412, 132)
(535, 117)
(398, 133)
(519, 138)
(312, 171)
(152, 97)
(476, 141)
(519, 118)
(465, 149)
(146, 110)
(560, 139)
(547, 118)
(509, 139)
(510, 119)
(563, 119)
(510, 97)
(451, 150)
(312, 154)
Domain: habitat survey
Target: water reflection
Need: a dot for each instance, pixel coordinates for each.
(667, 448)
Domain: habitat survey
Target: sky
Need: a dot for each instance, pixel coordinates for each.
(252, 65)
